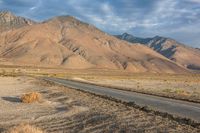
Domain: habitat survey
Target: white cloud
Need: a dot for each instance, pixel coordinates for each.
(33, 8)
(106, 8)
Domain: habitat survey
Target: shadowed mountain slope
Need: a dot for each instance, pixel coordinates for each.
(173, 50)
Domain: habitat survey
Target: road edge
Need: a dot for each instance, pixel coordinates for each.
(146, 109)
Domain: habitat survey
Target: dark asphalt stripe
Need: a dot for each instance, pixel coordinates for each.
(171, 106)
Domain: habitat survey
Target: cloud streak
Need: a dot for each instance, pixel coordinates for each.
(177, 19)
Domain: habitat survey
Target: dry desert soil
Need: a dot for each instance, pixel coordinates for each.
(184, 87)
(67, 110)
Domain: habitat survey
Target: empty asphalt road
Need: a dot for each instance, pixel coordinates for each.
(171, 106)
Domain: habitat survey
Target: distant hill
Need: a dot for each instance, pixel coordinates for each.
(173, 50)
(67, 42)
(9, 21)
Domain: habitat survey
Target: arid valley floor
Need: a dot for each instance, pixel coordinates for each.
(68, 110)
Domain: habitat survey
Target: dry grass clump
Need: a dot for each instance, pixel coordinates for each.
(182, 92)
(167, 90)
(24, 128)
(31, 97)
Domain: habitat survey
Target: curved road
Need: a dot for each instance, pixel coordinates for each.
(171, 106)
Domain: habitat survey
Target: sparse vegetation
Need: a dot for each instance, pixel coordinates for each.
(31, 97)
(24, 128)
(56, 114)
(167, 90)
(181, 92)
(11, 73)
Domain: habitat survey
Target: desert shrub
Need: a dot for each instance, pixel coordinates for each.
(167, 90)
(31, 97)
(181, 92)
(24, 128)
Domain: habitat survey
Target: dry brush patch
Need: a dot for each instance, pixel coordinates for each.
(31, 97)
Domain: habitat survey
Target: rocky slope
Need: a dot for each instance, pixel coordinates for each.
(67, 42)
(9, 21)
(173, 50)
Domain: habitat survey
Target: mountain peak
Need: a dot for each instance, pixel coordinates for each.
(126, 36)
(169, 48)
(63, 19)
(157, 36)
(10, 21)
(6, 12)
(69, 20)
(7, 15)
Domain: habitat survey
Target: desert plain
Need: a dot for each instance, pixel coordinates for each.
(64, 109)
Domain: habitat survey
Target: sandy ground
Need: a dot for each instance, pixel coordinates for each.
(68, 110)
(181, 89)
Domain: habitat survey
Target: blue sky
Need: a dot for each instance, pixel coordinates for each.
(178, 19)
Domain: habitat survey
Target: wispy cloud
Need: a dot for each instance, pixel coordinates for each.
(105, 7)
(33, 8)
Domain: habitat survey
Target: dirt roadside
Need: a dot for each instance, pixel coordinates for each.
(68, 110)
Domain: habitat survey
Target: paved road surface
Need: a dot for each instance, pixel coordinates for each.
(171, 106)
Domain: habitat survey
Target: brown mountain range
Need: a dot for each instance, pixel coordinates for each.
(184, 55)
(69, 43)
(9, 21)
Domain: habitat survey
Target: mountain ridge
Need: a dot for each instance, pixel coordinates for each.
(9, 21)
(67, 42)
(180, 53)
